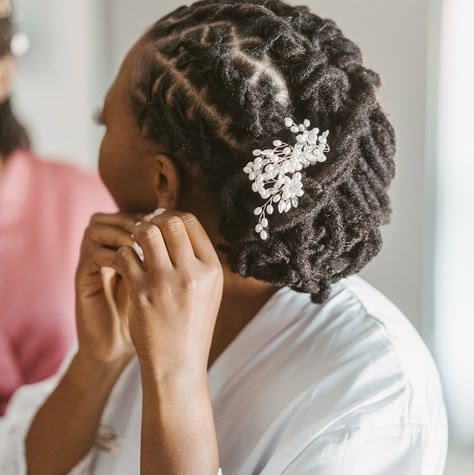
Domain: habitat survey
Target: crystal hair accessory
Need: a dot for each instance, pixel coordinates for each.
(274, 167)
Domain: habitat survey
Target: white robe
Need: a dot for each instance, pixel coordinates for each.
(347, 387)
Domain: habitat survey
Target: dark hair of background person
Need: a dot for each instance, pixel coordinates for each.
(12, 134)
(216, 80)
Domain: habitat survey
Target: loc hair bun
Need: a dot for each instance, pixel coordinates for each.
(217, 81)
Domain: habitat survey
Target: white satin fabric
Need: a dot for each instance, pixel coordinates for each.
(347, 387)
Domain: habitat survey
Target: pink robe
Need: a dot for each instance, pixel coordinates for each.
(44, 209)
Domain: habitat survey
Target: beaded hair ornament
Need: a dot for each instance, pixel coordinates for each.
(280, 167)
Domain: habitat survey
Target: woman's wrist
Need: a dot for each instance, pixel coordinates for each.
(167, 379)
(86, 370)
(177, 418)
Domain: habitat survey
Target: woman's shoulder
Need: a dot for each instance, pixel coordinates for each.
(334, 380)
(389, 331)
(374, 354)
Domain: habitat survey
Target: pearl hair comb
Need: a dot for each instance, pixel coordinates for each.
(273, 166)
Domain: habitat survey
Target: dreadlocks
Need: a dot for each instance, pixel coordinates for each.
(217, 79)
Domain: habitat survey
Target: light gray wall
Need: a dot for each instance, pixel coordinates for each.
(392, 36)
(127, 24)
(454, 218)
(61, 80)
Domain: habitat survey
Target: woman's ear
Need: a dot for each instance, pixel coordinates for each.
(6, 73)
(166, 182)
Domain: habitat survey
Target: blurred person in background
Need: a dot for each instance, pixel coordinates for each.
(44, 209)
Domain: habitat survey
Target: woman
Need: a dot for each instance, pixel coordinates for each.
(223, 347)
(44, 208)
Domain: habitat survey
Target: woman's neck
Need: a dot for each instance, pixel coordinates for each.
(241, 301)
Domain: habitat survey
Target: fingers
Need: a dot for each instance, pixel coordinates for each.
(121, 220)
(167, 241)
(170, 239)
(98, 257)
(185, 236)
(128, 265)
(109, 236)
(108, 230)
(151, 240)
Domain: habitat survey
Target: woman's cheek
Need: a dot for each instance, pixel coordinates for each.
(103, 162)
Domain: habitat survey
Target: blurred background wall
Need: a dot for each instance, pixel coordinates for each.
(453, 217)
(63, 76)
(77, 47)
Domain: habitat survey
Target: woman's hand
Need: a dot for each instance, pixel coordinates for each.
(102, 327)
(173, 301)
(174, 295)
(76, 405)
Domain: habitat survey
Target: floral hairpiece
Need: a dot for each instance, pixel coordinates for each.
(273, 166)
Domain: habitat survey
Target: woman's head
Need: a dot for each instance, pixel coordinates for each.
(12, 133)
(210, 82)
